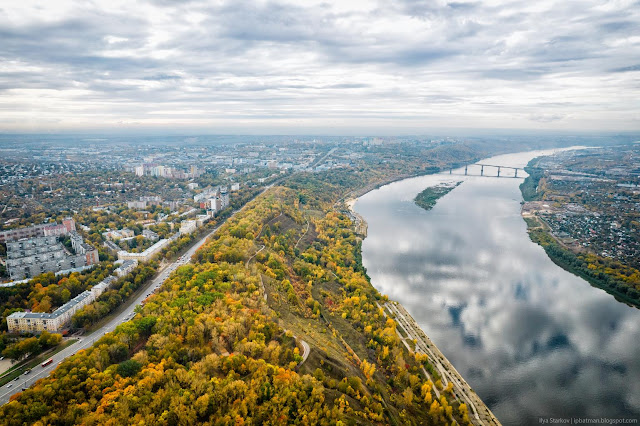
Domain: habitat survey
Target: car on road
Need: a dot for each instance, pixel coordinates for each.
(16, 379)
(9, 385)
(28, 371)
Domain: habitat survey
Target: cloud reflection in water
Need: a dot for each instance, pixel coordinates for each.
(531, 339)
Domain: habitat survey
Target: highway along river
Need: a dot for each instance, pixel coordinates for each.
(530, 338)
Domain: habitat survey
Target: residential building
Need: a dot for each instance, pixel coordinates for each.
(173, 205)
(139, 205)
(188, 226)
(206, 194)
(37, 322)
(146, 255)
(126, 267)
(152, 199)
(30, 257)
(42, 230)
(102, 286)
(150, 235)
(224, 198)
(82, 248)
(118, 234)
(218, 200)
(201, 219)
(111, 246)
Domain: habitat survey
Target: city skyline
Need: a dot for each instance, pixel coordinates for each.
(278, 67)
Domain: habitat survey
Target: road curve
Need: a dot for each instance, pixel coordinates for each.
(306, 349)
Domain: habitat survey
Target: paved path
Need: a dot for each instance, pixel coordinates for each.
(5, 364)
(302, 236)
(306, 349)
(246, 265)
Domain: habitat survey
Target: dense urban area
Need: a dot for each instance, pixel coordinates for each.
(584, 208)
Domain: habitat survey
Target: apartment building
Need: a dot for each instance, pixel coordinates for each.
(30, 257)
(42, 230)
(37, 322)
(146, 255)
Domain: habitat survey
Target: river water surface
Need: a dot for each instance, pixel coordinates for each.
(530, 338)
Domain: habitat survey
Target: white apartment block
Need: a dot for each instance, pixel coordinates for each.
(146, 255)
(126, 267)
(37, 322)
(188, 226)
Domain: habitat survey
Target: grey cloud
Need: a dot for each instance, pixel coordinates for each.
(546, 118)
(281, 55)
(465, 6)
(619, 26)
(517, 74)
(629, 68)
(161, 77)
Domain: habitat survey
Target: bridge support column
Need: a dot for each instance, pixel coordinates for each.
(450, 171)
(498, 171)
(465, 170)
(481, 170)
(516, 173)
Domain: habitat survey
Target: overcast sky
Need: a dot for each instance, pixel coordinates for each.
(402, 66)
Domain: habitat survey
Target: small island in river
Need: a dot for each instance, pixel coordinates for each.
(428, 198)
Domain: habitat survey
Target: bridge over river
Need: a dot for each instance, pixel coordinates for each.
(493, 168)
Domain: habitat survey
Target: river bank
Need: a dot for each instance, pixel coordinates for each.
(571, 262)
(598, 271)
(352, 197)
(417, 341)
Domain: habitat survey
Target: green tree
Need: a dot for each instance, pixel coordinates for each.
(128, 368)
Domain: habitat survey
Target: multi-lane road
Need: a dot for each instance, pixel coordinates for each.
(27, 379)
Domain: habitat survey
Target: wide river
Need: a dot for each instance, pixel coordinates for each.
(530, 338)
